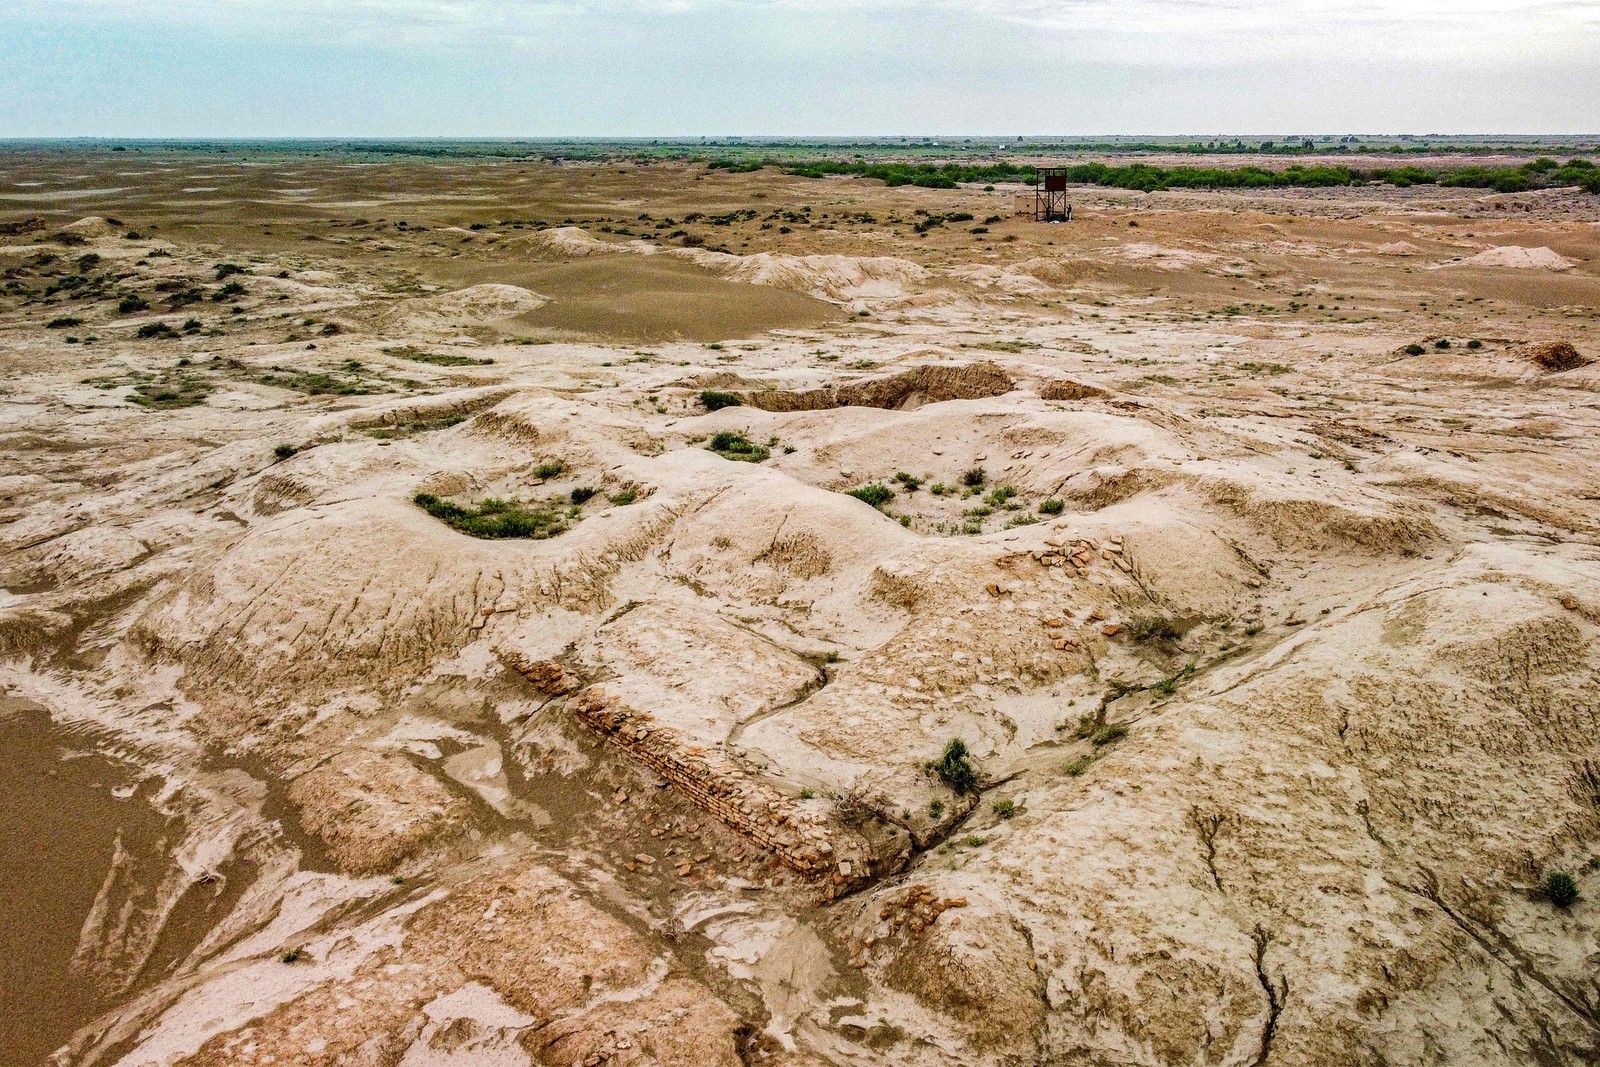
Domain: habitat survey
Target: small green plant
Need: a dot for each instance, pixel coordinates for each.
(1414, 350)
(151, 330)
(735, 446)
(935, 808)
(1076, 767)
(911, 482)
(129, 304)
(1004, 808)
(1443, 342)
(938, 489)
(550, 469)
(1109, 734)
(285, 450)
(1253, 628)
(623, 497)
(974, 477)
(227, 270)
(712, 400)
(493, 518)
(1561, 888)
(1052, 507)
(294, 955)
(63, 322)
(1474, 343)
(999, 496)
(808, 793)
(955, 768)
(582, 495)
(875, 494)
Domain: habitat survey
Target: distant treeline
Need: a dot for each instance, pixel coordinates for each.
(1537, 174)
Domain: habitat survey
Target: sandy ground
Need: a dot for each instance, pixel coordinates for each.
(1248, 542)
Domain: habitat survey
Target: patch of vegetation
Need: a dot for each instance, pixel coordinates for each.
(623, 497)
(712, 400)
(582, 495)
(319, 383)
(228, 270)
(437, 359)
(974, 477)
(1109, 734)
(1414, 350)
(955, 768)
(1076, 767)
(173, 390)
(735, 446)
(129, 304)
(63, 322)
(875, 494)
(1004, 808)
(285, 450)
(152, 330)
(1561, 889)
(911, 482)
(1160, 629)
(494, 518)
(294, 955)
(549, 469)
(1052, 506)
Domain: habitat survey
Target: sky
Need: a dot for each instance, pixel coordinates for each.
(667, 68)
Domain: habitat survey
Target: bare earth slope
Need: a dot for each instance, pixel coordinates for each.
(1248, 544)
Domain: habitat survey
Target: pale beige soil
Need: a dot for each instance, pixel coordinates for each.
(1281, 720)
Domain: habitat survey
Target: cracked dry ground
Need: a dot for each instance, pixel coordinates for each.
(1271, 638)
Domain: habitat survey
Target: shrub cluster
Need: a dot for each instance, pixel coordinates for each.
(493, 518)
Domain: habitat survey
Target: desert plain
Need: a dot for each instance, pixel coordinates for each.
(911, 633)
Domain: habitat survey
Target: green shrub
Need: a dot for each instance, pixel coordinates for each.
(1474, 343)
(955, 768)
(713, 400)
(129, 304)
(910, 481)
(1076, 767)
(228, 292)
(735, 446)
(1052, 507)
(1109, 733)
(63, 322)
(155, 329)
(624, 497)
(582, 495)
(493, 519)
(875, 494)
(285, 450)
(974, 477)
(1414, 350)
(998, 497)
(1443, 342)
(1561, 888)
(549, 469)
(1004, 808)
(226, 270)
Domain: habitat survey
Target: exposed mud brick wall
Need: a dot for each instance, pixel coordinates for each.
(800, 837)
(929, 383)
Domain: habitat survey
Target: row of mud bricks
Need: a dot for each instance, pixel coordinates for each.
(803, 839)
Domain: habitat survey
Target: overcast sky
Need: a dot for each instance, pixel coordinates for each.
(251, 68)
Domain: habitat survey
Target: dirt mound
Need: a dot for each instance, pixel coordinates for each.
(831, 277)
(93, 226)
(930, 383)
(1067, 389)
(1555, 356)
(1517, 258)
